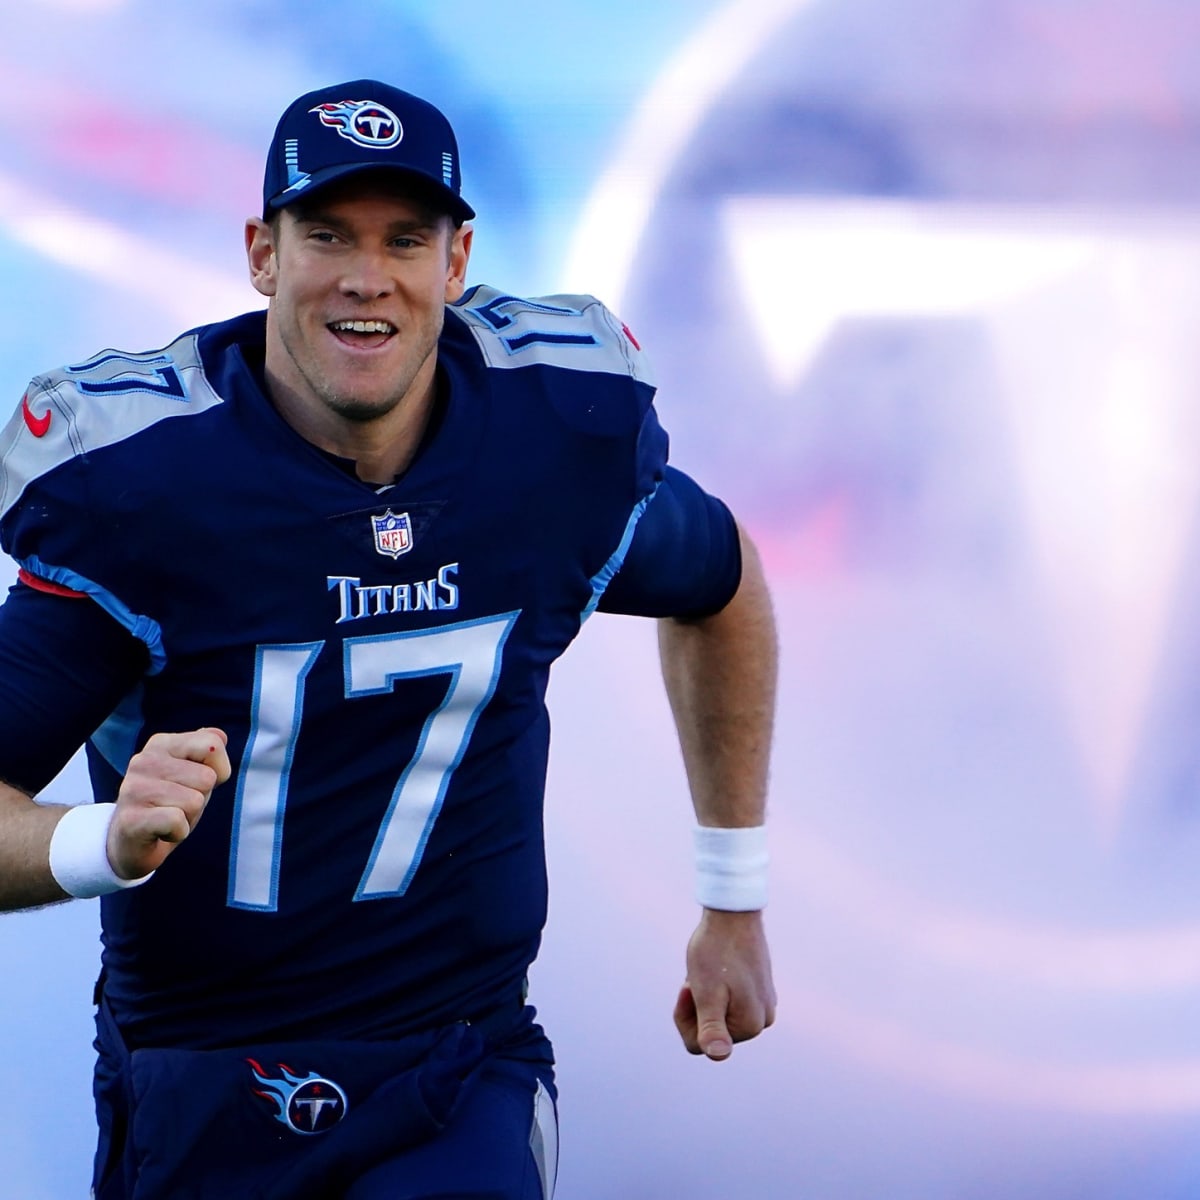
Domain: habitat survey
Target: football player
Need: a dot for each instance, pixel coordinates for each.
(297, 581)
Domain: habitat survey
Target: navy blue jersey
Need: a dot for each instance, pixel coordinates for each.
(377, 656)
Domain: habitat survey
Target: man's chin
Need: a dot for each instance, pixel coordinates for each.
(360, 409)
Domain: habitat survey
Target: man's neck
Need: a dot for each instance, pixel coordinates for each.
(382, 448)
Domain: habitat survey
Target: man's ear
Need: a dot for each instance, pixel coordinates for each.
(260, 256)
(456, 269)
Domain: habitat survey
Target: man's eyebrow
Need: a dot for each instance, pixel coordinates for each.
(415, 225)
(404, 225)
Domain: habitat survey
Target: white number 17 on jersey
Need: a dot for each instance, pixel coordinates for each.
(469, 652)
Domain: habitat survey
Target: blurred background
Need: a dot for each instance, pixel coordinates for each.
(921, 283)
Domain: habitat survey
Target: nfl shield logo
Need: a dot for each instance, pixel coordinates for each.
(393, 534)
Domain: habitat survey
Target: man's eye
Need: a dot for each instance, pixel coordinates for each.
(322, 235)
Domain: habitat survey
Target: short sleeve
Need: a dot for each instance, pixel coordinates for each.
(65, 665)
(685, 557)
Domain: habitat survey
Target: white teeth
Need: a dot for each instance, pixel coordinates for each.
(363, 326)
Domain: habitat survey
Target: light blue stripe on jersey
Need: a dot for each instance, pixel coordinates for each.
(146, 630)
(116, 740)
(604, 576)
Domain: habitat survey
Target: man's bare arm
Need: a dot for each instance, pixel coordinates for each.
(720, 672)
(25, 831)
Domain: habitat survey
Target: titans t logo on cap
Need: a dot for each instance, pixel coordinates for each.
(360, 126)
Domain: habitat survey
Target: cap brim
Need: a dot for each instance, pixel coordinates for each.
(431, 187)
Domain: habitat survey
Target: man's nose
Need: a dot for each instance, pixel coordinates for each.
(367, 277)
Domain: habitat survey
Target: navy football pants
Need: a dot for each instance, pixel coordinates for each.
(499, 1146)
(465, 1111)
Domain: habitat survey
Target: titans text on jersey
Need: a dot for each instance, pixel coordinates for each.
(357, 600)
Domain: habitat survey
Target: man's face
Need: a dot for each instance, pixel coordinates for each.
(358, 278)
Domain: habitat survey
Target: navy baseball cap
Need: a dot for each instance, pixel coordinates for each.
(361, 126)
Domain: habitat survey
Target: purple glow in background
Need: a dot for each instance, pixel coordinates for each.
(921, 282)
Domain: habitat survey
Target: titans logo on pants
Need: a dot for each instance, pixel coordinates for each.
(304, 1103)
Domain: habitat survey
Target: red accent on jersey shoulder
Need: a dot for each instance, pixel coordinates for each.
(630, 336)
(44, 585)
(38, 426)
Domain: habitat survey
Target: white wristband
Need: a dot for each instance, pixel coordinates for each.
(79, 853)
(731, 868)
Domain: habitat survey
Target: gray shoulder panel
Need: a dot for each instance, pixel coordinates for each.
(110, 397)
(572, 332)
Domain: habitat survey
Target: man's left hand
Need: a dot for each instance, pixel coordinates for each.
(728, 995)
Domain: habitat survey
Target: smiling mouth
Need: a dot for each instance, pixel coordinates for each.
(362, 333)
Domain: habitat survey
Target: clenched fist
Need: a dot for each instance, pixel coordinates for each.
(165, 791)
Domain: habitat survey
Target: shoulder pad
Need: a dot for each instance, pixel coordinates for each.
(575, 333)
(114, 395)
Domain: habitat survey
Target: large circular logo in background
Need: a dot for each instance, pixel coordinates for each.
(918, 280)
